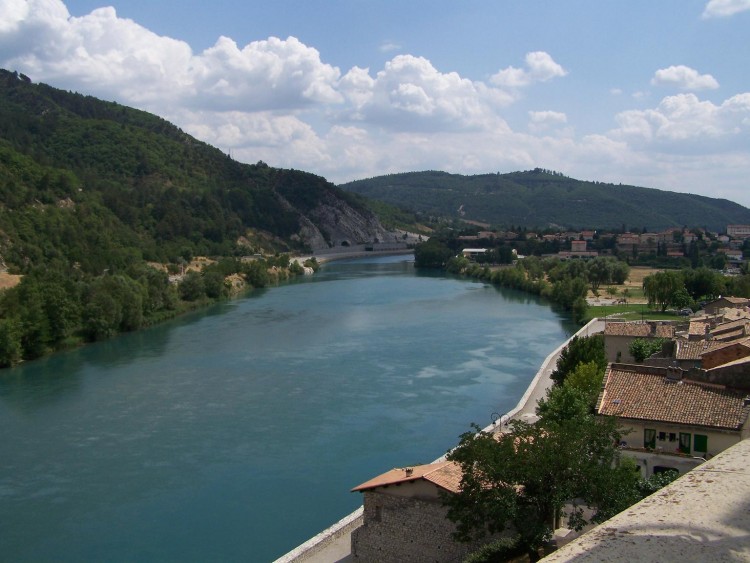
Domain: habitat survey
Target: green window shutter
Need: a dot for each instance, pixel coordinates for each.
(700, 443)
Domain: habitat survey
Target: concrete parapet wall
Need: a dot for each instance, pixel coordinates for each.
(318, 543)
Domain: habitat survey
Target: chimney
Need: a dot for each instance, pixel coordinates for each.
(674, 373)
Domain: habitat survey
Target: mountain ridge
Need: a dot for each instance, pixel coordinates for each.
(541, 198)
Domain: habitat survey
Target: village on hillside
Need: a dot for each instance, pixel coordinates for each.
(727, 250)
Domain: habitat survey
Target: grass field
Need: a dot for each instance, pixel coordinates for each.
(635, 309)
(629, 312)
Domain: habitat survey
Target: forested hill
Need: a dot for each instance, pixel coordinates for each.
(101, 185)
(540, 198)
(100, 202)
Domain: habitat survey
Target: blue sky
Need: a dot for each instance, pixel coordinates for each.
(648, 93)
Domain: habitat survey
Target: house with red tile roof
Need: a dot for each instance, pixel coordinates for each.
(724, 352)
(673, 422)
(717, 305)
(619, 335)
(404, 518)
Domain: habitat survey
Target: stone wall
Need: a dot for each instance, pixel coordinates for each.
(398, 529)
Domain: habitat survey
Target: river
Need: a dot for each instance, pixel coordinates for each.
(236, 433)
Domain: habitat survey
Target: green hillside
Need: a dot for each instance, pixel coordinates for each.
(91, 192)
(96, 167)
(540, 199)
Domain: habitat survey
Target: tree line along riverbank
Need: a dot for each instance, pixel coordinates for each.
(59, 307)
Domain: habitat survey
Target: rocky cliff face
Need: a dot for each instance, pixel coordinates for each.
(334, 223)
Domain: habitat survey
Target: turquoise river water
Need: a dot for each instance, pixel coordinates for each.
(236, 433)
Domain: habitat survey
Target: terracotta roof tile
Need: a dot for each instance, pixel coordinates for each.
(737, 362)
(637, 329)
(730, 335)
(665, 331)
(627, 329)
(446, 475)
(693, 350)
(722, 344)
(644, 393)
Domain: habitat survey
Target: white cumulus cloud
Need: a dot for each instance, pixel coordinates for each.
(410, 93)
(725, 8)
(115, 57)
(540, 67)
(684, 117)
(684, 78)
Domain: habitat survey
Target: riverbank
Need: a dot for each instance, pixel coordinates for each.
(334, 543)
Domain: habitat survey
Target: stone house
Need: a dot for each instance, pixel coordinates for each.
(725, 352)
(404, 518)
(672, 422)
(717, 305)
(619, 335)
(731, 330)
(689, 353)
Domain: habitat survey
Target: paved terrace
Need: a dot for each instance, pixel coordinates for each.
(702, 516)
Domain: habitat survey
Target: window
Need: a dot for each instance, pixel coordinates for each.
(672, 437)
(684, 443)
(700, 443)
(649, 438)
(662, 436)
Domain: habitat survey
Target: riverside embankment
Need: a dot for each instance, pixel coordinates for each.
(334, 543)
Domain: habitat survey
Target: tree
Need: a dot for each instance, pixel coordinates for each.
(524, 479)
(599, 271)
(431, 254)
(703, 283)
(101, 316)
(10, 343)
(642, 348)
(192, 287)
(587, 378)
(256, 273)
(660, 288)
(214, 284)
(578, 310)
(580, 350)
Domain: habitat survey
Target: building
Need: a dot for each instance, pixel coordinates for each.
(715, 307)
(725, 352)
(673, 422)
(627, 242)
(619, 335)
(472, 253)
(738, 231)
(578, 246)
(404, 518)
